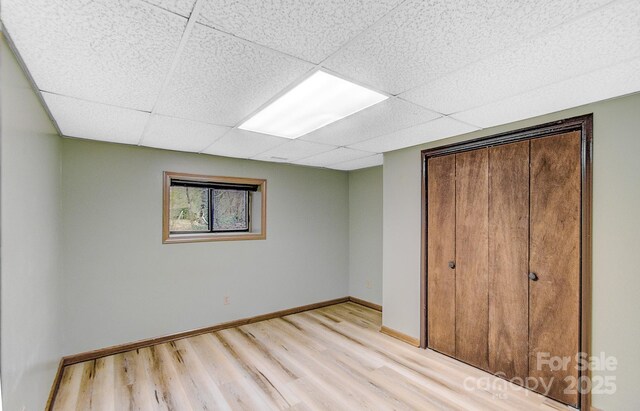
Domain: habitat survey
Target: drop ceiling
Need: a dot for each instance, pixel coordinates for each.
(184, 74)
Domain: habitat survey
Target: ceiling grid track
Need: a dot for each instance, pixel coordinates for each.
(195, 12)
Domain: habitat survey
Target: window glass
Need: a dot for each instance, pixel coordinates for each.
(189, 209)
(230, 210)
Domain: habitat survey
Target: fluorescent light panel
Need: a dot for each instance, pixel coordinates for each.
(319, 100)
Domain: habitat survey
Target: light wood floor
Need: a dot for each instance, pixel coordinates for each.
(331, 358)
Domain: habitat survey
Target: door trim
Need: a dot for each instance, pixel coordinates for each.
(584, 124)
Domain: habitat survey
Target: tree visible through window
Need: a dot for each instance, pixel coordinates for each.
(189, 209)
(230, 210)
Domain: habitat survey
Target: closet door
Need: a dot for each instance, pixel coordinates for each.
(554, 299)
(472, 280)
(509, 259)
(441, 283)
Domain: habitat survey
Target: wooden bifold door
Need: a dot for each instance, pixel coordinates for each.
(503, 258)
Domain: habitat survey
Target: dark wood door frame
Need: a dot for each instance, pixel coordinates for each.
(584, 124)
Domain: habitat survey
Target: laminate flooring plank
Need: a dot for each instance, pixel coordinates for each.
(269, 394)
(198, 386)
(325, 374)
(103, 393)
(253, 351)
(167, 393)
(67, 396)
(123, 383)
(86, 386)
(237, 386)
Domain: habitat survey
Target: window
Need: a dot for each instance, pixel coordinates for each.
(207, 208)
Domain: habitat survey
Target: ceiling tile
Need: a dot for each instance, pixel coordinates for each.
(599, 85)
(222, 79)
(597, 40)
(116, 52)
(421, 41)
(293, 150)
(179, 134)
(371, 161)
(244, 144)
(181, 7)
(383, 118)
(95, 121)
(339, 155)
(308, 29)
(433, 130)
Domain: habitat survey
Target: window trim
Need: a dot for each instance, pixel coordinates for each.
(172, 238)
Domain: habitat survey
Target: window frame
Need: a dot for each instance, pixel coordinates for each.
(256, 184)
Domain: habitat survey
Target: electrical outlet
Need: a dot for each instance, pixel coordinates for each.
(226, 300)
(368, 285)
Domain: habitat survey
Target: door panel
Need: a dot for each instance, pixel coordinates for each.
(554, 299)
(441, 223)
(509, 259)
(472, 306)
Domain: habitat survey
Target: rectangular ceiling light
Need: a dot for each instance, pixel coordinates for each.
(319, 100)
